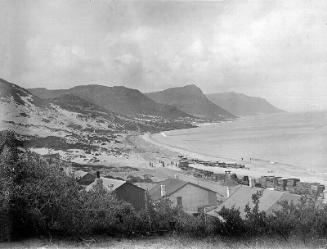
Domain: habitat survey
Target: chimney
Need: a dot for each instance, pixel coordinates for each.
(228, 193)
(98, 174)
(227, 175)
(163, 190)
(250, 182)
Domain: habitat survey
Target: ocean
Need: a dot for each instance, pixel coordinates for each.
(294, 143)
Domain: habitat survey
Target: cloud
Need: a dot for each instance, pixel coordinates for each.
(196, 48)
(257, 47)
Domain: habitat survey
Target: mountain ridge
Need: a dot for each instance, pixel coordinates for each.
(118, 99)
(241, 104)
(191, 99)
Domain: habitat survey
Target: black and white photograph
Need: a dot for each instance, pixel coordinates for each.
(163, 124)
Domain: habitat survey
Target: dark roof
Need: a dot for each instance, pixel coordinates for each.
(171, 186)
(87, 179)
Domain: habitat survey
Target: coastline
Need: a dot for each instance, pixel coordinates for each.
(254, 169)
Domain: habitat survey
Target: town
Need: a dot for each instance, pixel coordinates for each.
(199, 191)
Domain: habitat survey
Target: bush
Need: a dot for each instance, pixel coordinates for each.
(99, 212)
(42, 196)
(199, 226)
(38, 198)
(255, 220)
(233, 224)
(46, 201)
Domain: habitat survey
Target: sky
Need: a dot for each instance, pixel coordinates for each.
(275, 49)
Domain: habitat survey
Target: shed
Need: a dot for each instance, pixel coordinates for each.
(78, 174)
(124, 191)
(86, 179)
(191, 197)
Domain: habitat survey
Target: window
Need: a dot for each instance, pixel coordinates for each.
(179, 201)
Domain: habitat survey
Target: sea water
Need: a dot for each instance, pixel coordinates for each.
(294, 142)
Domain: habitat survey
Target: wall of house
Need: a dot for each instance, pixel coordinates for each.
(132, 194)
(194, 197)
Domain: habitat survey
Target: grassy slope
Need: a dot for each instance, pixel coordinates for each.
(163, 243)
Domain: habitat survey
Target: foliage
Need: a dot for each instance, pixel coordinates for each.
(233, 224)
(39, 198)
(255, 220)
(42, 196)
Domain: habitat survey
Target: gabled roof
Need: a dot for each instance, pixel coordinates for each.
(87, 179)
(79, 173)
(145, 185)
(108, 183)
(171, 186)
(243, 196)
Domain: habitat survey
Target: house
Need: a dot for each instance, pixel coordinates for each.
(145, 185)
(85, 179)
(78, 174)
(123, 190)
(191, 197)
(268, 202)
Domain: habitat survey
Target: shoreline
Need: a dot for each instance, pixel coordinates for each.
(255, 168)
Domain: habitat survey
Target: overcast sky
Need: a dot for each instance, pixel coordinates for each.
(273, 49)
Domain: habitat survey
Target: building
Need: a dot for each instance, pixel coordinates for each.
(268, 202)
(191, 197)
(84, 179)
(123, 190)
(78, 174)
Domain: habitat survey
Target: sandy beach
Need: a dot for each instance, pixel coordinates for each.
(253, 168)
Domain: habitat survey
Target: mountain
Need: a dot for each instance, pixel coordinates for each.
(190, 99)
(76, 104)
(74, 127)
(119, 99)
(242, 105)
(18, 94)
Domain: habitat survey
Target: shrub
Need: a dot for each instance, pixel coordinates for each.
(233, 224)
(255, 220)
(42, 196)
(100, 212)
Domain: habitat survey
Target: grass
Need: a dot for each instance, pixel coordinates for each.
(167, 242)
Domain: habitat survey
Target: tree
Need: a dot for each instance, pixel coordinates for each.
(255, 220)
(233, 224)
(42, 196)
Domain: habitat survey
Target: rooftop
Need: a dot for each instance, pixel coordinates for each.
(268, 202)
(108, 183)
(171, 186)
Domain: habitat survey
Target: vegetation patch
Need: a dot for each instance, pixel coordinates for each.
(56, 143)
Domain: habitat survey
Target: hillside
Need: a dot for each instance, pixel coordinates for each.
(119, 99)
(190, 99)
(17, 94)
(75, 128)
(242, 105)
(76, 104)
